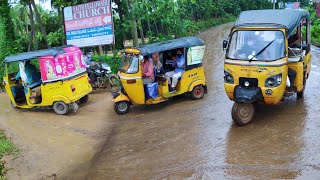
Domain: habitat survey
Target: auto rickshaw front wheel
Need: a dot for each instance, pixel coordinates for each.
(122, 107)
(61, 108)
(242, 113)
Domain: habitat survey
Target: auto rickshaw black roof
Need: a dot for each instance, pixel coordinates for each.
(288, 18)
(184, 42)
(55, 51)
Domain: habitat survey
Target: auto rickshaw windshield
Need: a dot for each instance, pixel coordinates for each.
(129, 64)
(257, 45)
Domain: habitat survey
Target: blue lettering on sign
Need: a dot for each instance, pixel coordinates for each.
(89, 32)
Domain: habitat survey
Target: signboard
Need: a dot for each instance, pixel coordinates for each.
(62, 66)
(195, 55)
(292, 5)
(89, 24)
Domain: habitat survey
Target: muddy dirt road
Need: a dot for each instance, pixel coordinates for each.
(197, 139)
(183, 139)
(50, 144)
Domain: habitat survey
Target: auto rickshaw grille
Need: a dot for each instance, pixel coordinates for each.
(253, 82)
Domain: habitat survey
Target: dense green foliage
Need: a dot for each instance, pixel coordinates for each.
(315, 28)
(113, 62)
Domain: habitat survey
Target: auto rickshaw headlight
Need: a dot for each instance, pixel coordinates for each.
(228, 78)
(274, 81)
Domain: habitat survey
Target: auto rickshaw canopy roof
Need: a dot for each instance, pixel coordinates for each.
(288, 18)
(184, 42)
(55, 51)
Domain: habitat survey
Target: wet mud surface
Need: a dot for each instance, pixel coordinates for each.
(180, 139)
(51, 145)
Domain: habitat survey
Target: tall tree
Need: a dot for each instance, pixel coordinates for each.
(38, 17)
(7, 35)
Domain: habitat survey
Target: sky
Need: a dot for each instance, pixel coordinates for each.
(46, 5)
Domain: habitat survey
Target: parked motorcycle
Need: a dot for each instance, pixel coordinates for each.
(103, 77)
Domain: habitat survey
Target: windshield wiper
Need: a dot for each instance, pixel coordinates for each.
(261, 51)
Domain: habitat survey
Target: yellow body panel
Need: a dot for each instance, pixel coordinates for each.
(121, 97)
(263, 69)
(261, 73)
(135, 91)
(54, 91)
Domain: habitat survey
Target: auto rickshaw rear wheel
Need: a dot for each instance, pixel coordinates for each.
(242, 113)
(61, 108)
(197, 92)
(122, 107)
(84, 99)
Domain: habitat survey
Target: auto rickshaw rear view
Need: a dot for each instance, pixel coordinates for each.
(267, 59)
(61, 82)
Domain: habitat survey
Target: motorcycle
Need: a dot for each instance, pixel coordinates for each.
(103, 78)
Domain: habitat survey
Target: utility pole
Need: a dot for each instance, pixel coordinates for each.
(274, 4)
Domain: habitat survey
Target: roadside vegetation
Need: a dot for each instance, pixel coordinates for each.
(6, 148)
(26, 26)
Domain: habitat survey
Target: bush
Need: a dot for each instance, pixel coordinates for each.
(113, 62)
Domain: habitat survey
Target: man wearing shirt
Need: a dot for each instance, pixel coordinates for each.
(87, 63)
(147, 71)
(156, 62)
(177, 73)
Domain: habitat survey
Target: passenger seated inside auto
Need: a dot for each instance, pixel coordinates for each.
(31, 73)
(157, 64)
(147, 70)
(178, 63)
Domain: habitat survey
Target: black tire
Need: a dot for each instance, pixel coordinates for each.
(84, 99)
(300, 94)
(61, 108)
(122, 107)
(197, 92)
(114, 84)
(242, 113)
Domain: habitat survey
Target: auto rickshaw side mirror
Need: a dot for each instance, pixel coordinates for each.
(225, 44)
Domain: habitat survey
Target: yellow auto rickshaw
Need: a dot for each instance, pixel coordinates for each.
(267, 59)
(60, 81)
(134, 91)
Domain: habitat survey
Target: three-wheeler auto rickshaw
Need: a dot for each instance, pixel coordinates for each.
(61, 83)
(267, 59)
(133, 91)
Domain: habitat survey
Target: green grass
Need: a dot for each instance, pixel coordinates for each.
(6, 148)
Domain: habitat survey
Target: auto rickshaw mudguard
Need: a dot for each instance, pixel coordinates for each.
(247, 94)
(117, 97)
(59, 98)
(196, 83)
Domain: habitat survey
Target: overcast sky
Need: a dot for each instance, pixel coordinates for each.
(46, 5)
